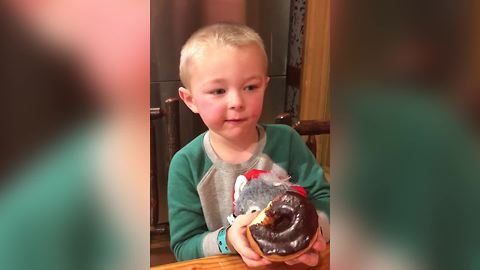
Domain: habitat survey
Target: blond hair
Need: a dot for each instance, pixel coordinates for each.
(222, 34)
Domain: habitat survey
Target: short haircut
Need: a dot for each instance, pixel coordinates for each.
(222, 34)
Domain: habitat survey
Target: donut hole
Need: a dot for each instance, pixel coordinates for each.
(282, 223)
(283, 219)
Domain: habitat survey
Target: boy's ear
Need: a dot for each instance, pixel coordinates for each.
(267, 80)
(186, 96)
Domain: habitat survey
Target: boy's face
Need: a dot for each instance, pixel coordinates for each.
(227, 86)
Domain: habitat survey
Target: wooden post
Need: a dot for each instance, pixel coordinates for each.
(314, 88)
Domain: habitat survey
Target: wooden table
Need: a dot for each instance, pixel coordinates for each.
(235, 262)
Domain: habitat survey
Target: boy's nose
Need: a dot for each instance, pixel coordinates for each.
(236, 100)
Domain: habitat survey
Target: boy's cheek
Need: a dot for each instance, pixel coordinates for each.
(209, 112)
(257, 106)
(204, 105)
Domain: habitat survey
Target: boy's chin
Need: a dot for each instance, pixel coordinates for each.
(236, 132)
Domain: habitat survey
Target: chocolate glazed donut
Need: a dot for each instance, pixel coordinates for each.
(288, 227)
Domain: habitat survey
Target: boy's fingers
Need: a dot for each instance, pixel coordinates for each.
(292, 262)
(256, 263)
(240, 242)
(242, 246)
(246, 251)
(319, 245)
(250, 254)
(309, 258)
(244, 220)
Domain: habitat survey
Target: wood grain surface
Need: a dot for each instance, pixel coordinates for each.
(234, 262)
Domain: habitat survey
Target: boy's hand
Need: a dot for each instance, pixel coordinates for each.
(310, 257)
(237, 239)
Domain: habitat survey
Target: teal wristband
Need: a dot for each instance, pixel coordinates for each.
(222, 241)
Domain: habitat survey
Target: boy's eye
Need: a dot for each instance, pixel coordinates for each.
(218, 91)
(251, 87)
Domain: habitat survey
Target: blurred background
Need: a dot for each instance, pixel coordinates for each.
(405, 158)
(74, 163)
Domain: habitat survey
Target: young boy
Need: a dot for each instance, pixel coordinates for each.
(223, 69)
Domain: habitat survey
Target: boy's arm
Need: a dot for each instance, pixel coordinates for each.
(306, 172)
(187, 224)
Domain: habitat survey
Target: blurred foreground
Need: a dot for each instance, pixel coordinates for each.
(74, 167)
(406, 123)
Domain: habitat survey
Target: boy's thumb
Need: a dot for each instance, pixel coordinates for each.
(246, 219)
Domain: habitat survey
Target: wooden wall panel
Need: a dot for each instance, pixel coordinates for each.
(314, 88)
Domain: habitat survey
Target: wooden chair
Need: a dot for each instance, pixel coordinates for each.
(171, 115)
(309, 128)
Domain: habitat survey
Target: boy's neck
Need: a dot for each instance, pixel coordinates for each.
(237, 151)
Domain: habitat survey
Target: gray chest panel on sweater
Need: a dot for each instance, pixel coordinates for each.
(216, 187)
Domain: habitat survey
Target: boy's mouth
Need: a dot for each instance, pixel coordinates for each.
(235, 121)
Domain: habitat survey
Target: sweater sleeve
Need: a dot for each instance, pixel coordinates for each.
(306, 172)
(187, 224)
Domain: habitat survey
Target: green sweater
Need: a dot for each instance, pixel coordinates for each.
(200, 186)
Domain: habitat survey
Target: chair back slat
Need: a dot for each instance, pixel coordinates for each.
(308, 128)
(173, 127)
(284, 118)
(312, 127)
(312, 144)
(156, 113)
(171, 113)
(153, 176)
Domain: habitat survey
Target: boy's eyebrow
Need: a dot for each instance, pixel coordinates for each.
(253, 77)
(218, 80)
